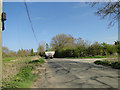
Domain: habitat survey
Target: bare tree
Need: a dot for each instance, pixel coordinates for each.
(41, 48)
(61, 41)
(5, 50)
(108, 9)
(79, 42)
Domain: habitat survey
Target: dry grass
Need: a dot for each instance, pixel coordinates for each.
(22, 72)
(112, 59)
(12, 67)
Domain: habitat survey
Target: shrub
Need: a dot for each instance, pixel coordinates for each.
(40, 61)
(106, 62)
(98, 62)
(115, 65)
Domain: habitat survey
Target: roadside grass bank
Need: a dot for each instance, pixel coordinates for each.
(113, 64)
(25, 77)
(11, 67)
(37, 62)
(95, 57)
(5, 59)
(8, 59)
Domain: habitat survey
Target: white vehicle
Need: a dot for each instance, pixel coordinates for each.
(49, 54)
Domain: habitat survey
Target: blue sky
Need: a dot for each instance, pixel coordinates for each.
(49, 19)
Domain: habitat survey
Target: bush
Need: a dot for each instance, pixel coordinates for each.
(98, 62)
(69, 53)
(115, 65)
(107, 63)
(60, 53)
(40, 61)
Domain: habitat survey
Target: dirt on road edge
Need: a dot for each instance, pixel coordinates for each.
(40, 71)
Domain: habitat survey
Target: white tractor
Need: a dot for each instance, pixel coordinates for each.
(49, 54)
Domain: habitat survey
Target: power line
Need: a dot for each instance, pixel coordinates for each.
(30, 20)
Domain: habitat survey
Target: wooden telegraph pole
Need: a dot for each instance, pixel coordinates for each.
(0, 44)
(118, 43)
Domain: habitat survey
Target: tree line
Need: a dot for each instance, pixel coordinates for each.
(6, 52)
(68, 46)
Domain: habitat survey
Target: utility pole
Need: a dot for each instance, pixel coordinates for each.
(0, 44)
(118, 43)
(46, 47)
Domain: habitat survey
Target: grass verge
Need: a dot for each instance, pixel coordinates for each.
(40, 61)
(90, 57)
(8, 59)
(24, 78)
(113, 64)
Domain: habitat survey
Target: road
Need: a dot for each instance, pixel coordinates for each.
(77, 73)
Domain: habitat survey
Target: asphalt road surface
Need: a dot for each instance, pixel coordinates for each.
(77, 73)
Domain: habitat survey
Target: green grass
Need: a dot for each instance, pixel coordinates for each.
(13, 58)
(8, 59)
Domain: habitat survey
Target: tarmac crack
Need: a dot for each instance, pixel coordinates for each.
(95, 78)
